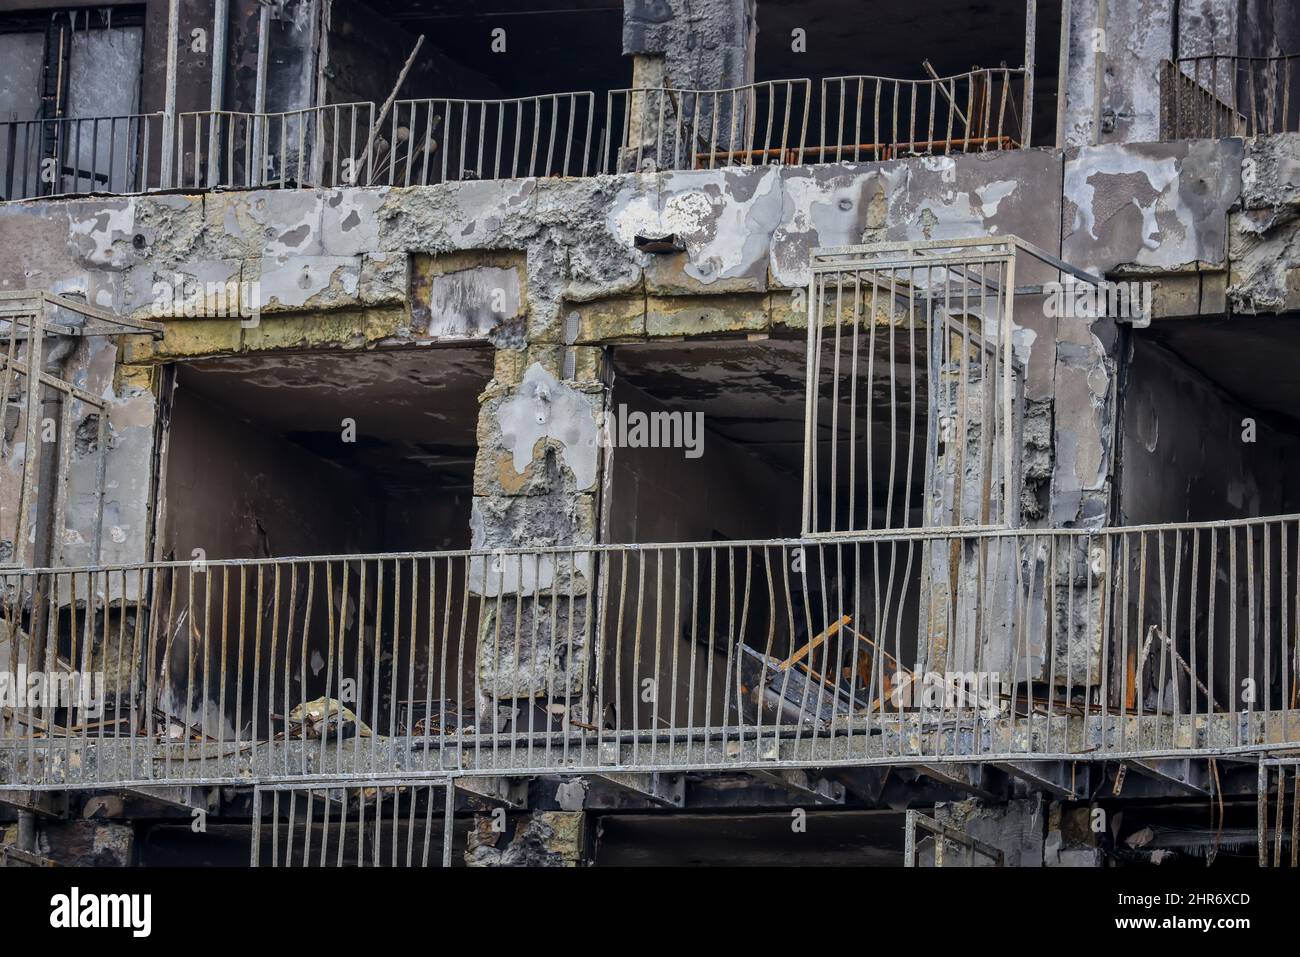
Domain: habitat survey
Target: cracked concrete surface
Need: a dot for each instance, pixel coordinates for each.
(508, 261)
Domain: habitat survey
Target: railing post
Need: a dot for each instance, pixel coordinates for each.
(169, 102)
(220, 16)
(909, 838)
(1031, 31)
(259, 99)
(1062, 74)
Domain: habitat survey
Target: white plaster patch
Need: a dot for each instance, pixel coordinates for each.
(1022, 343)
(688, 212)
(638, 217)
(992, 195)
(292, 281)
(945, 166)
(1119, 161)
(743, 221)
(107, 223)
(544, 407)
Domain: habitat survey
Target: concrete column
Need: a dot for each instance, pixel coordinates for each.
(1070, 841)
(686, 45)
(536, 480)
(705, 44)
(27, 831)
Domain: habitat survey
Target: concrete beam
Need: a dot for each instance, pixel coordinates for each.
(182, 797)
(52, 804)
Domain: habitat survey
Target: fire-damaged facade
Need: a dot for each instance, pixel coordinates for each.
(649, 432)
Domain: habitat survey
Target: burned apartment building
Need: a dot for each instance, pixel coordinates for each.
(650, 432)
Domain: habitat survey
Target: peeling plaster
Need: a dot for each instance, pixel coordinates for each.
(1157, 205)
(545, 408)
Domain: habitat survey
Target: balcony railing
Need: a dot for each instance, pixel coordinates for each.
(648, 130)
(878, 118)
(891, 648)
(1220, 95)
(417, 143)
(55, 157)
(1277, 815)
(429, 141)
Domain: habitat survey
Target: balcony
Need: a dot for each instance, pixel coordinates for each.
(1218, 95)
(424, 142)
(902, 647)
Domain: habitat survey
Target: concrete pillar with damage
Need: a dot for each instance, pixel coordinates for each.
(535, 486)
(697, 45)
(683, 46)
(543, 839)
(536, 481)
(1015, 828)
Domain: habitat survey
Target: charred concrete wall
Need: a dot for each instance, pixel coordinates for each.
(557, 263)
(1113, 85)
(1184, 458)
(293, 50)
(236, 492)
(358, 39)
(332, 268)
(657, 496)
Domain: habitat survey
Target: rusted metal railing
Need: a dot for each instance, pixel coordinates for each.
(1278, 812)
(445, 140)
(866, 118)
(427, 141)
(653, 129)
(926, 645)
(1216, 95)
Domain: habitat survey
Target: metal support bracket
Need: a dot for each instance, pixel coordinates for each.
(510, 792)
(1181, 774)
(806, 785)
(667, 790)
(1052, 777)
